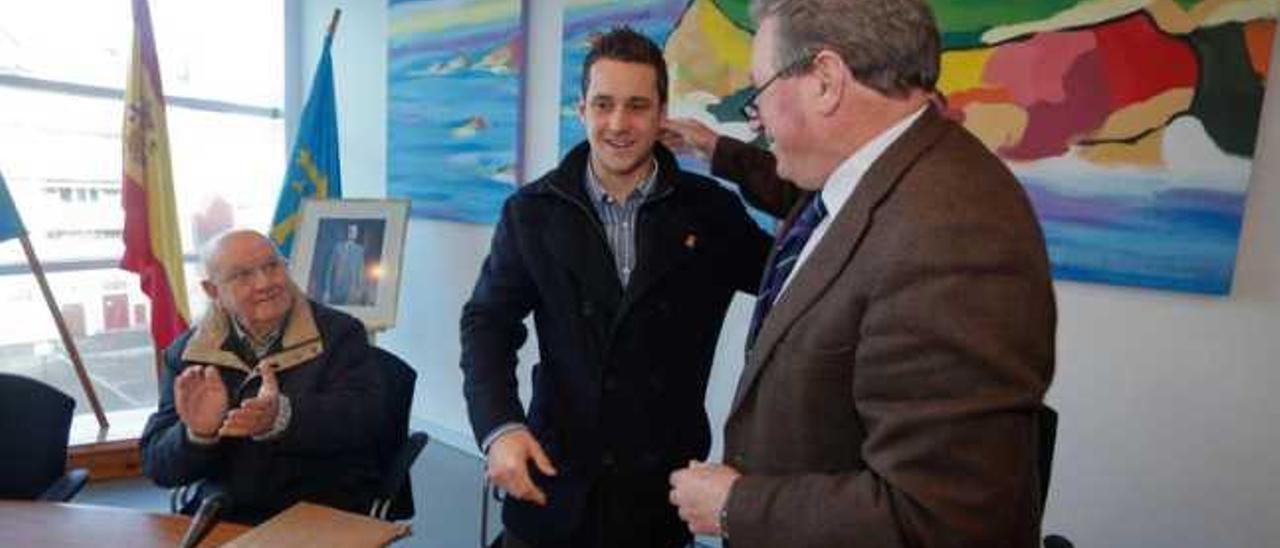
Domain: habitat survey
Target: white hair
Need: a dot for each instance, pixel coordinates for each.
(212, 249)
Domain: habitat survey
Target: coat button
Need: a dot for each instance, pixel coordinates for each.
(587, 309)
(610, 383)
(607, 460)
(738, 460)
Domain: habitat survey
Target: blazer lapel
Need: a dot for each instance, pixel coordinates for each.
(838, 245)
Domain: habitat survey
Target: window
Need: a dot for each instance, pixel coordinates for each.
(63, 65)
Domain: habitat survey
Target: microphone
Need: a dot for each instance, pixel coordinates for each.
(204, 520)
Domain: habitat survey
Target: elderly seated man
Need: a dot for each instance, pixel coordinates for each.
(271, 399)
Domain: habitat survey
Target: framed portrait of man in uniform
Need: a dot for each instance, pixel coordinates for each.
(347, 254)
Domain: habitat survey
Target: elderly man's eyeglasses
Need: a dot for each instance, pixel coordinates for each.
(242, 276)
(750, 110)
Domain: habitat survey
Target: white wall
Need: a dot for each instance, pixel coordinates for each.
(1168, 437)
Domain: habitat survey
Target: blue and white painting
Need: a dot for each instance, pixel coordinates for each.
(454, 70)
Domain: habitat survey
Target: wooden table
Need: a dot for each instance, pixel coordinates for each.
(26, 523)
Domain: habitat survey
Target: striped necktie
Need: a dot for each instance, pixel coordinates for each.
(784, 260)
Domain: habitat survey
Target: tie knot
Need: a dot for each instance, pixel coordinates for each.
(813, 214)
(817, 208)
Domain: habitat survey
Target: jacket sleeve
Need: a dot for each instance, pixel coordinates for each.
(492, 329)
(754, 170)
(750, 248)
(169, 458)
(337, 413)
(954, 356)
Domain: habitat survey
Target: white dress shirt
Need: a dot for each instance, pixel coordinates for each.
(841, 183)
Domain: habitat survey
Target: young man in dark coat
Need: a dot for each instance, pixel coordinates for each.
(271, 398)
(628, 265)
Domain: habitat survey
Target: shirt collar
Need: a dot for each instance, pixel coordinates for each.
(841, 183)
(599, 194)
(261, 347)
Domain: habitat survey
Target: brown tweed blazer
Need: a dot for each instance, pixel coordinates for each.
(890, 398)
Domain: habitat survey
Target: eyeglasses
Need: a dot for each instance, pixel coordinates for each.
(242, 276)
(750, 110)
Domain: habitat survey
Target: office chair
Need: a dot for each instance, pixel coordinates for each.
(487, 491)
(393, 500)
(1047, 419)
(395, 494)
(35, 423)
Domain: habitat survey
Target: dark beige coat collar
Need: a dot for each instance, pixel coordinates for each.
(300, 343)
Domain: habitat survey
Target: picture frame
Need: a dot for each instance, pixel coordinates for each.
(348, 255)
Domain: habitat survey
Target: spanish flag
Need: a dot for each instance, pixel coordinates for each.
(314, 170)
(152, 241)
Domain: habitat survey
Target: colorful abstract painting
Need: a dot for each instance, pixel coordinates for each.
(1131, 123)
(453, 105)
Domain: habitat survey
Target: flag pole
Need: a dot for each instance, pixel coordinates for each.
(70, 344)
(333, 23)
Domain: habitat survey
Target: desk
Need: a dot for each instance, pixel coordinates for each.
(26, 523)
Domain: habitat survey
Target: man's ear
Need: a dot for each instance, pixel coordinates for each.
(831, 76)
(210, 290)
(582, 110)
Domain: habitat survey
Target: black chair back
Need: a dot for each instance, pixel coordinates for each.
(35, 422)
(1048, 419)
(399, 380)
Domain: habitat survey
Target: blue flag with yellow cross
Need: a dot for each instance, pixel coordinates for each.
(10, 222)
(314, 170)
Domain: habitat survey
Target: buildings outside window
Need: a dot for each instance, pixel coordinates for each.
(62, 79)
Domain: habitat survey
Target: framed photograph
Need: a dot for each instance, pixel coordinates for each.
(347, 254)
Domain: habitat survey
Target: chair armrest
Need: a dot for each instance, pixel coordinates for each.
(67, 486)
(1057, 541)
(180, 497)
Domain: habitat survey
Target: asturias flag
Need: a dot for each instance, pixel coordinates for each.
(10, 222)
(314, 170)
(152, 242)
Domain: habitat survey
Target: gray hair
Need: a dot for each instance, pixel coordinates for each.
(891, 46)
(209, 250)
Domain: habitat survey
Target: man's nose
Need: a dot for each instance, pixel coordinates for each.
(260, 277)
(617, 119)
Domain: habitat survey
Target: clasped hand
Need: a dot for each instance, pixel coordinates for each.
(201, 401)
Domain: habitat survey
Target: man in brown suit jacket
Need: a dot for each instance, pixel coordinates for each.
(904, 339)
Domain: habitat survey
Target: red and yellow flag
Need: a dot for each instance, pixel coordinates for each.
(152, 241)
